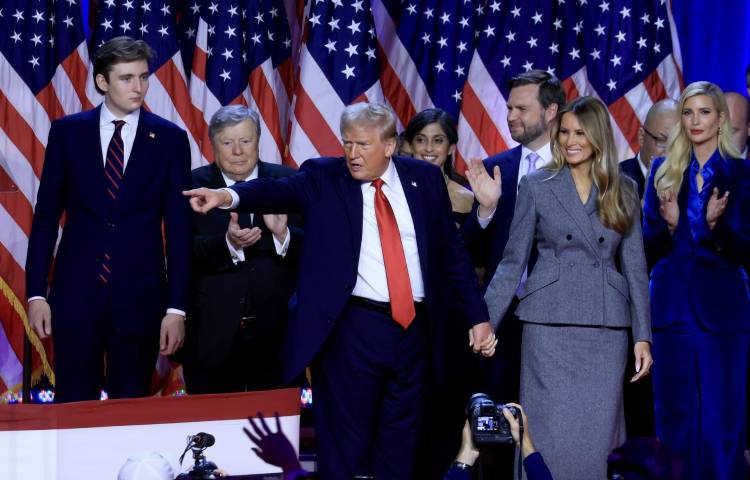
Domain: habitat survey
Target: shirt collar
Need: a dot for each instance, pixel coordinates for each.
(709, 167)
(643, 167)
(545, 153)
(390, 176)
(106, 117)
(229, 182)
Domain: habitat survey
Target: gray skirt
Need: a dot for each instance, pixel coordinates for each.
(571, 390)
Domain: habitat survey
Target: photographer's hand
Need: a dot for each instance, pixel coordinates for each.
(527, 447)
(468, 453)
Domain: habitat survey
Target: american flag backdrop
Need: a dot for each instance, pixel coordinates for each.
(299, 63)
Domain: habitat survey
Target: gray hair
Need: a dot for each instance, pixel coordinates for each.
(371, 115)
(230, 116)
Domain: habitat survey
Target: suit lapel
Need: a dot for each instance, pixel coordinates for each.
(351, 193)
(564, 189)
(94, 162)
(510, 178)
(410, 185)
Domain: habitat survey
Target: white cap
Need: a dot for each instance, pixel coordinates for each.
(146, 466)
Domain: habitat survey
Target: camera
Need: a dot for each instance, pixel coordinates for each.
(488, 425)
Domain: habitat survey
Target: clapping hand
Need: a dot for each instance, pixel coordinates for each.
(669, 209)
(241, 237)
(716, 206)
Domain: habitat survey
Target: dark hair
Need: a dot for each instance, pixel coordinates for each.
(119, 50)
(442, 118)
(550, 88)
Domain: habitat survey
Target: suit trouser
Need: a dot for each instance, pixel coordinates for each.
(699, 392)
(368, 384)
(95, 357)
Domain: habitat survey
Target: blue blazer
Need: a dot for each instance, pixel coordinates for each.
(487, 245)
(709, 274)
(331, 203)
(74, 183)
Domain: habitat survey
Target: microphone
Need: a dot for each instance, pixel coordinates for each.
(203, 440)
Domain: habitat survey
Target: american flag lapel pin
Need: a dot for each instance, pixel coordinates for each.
(151, 134)
(414, 184)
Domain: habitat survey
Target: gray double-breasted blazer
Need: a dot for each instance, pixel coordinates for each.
(576, 279)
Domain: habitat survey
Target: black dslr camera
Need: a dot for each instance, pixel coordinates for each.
(488, 425)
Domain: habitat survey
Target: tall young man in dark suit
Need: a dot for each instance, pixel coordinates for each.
(380, 258)
(652, 138)
(244, 271)
(116, 172)
(533, 102)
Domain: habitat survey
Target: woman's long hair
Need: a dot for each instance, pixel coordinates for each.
(679, 149)
(616, 199)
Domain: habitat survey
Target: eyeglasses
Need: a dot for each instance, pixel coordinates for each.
(660, 141)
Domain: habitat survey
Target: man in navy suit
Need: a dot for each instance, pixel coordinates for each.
(652, 139)
(116, 172)
(533, 102)
(380, 261)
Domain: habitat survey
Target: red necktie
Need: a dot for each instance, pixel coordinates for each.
(396, 272)
(113, 170)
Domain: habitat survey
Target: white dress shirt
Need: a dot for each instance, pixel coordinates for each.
(643, 167)
(371, 279)
(127, 132)
(545, 157)
(238, 255)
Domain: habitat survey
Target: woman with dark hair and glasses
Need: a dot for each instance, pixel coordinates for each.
(432, 135)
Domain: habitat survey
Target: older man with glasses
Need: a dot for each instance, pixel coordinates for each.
(652, 139)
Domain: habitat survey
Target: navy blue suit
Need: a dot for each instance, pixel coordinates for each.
(701, 318)
(88, 317)
(368, 372)
(632, 168)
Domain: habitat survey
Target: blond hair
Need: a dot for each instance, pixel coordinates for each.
(679, 148)
(615, 200)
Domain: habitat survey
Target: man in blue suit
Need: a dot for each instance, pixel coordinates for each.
(380, 261)
(533, 102)
(117, 173)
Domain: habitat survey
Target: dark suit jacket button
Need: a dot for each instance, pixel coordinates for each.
(569, 236)
(601, 239)
(572, 264)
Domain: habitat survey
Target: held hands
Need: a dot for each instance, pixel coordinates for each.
(202, 200)
(669, 209)
(716, 206)
(241, 237)
(482, 339)
(486, 188)
(643, 360)
(40, 318)
(172, 333)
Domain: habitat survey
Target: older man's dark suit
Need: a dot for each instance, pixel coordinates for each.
(335, 335)
(123, 317)
(224, 352)
(632, 168)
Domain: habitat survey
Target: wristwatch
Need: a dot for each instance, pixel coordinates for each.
(461, 466)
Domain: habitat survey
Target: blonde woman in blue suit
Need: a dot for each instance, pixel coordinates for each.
(587, 289)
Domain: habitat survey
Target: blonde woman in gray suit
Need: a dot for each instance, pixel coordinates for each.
(587, 287)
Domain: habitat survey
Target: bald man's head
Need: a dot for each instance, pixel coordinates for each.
(652, 136)
(739, 118)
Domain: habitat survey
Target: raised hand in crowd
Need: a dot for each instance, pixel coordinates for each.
(273, 448)
(669, 209)
(716, 206)
(487, 189)
(242, 237)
